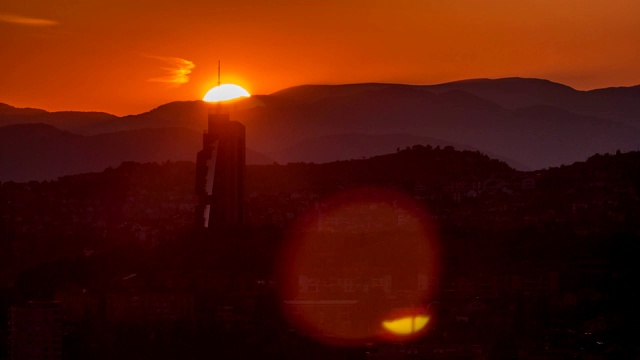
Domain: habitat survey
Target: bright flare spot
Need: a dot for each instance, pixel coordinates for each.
(225, 92)
(406, 325)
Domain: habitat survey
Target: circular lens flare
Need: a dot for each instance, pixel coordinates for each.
(355, 260)
(225, 92)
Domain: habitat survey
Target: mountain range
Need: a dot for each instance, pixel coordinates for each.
(528, 123)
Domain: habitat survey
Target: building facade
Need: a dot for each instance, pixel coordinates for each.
(220, 172)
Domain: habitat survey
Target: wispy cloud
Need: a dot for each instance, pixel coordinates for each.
(177, 70)
(27, 21)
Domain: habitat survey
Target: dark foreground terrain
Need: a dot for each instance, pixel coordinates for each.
(533, 265)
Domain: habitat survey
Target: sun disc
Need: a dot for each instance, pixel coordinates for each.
(225, 92)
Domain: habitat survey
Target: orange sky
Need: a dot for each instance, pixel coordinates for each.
(126, 57)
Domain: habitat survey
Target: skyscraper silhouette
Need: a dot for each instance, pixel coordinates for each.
(220, 170)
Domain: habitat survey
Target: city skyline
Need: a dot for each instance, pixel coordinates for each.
(103, 56)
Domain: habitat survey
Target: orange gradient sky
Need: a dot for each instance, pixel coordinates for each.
(126, 57)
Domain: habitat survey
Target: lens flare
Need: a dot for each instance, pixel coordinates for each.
(353, 261)
(407, 325)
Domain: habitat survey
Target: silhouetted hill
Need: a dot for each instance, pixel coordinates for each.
(534, 138)
(331, 148)
(512, 92)
(531, 123)
(425, 165)
(187, 114)
(74, 121)
(621, 91)
(351, 146)
(8, 110)
(43, 152)
(507, 92)
(618, 104)
(313, 93)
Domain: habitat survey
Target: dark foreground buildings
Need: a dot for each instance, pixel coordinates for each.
(220, 170)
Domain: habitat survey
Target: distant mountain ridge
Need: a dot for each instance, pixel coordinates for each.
(530, 123)
(43, 152)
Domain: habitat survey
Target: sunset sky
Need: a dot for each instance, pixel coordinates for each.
(126, 57)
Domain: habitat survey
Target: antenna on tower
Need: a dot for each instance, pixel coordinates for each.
(219, 107)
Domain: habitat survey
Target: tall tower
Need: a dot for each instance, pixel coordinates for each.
(220, 171)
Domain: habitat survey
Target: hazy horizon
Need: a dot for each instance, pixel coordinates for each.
(314, 84)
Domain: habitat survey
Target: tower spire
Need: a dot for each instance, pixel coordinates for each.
(219, 107)
(220, 170)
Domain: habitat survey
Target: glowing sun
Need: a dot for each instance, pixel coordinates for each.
(225, 92)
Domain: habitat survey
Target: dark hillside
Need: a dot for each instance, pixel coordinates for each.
(419, 164)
